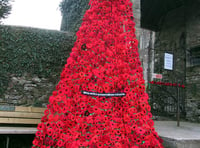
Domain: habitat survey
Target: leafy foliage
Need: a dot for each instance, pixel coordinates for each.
(5, 8)
(63, 6)
(72, 12)
(35, 51)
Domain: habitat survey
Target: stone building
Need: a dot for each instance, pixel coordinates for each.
(176, 23)
(73, 11)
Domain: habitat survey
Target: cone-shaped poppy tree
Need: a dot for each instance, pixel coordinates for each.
(100, 100)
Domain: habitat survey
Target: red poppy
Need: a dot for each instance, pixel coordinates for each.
(104, 59)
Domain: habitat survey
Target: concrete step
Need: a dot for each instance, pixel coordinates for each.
(185, 136)
(172, 143)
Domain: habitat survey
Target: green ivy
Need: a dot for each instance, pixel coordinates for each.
(30, 50)
(73, 12)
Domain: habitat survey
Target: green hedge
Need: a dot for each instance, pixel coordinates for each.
(36, 51)
(73, 12)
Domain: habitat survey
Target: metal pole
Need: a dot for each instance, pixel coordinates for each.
(178, 106)
(7, 142)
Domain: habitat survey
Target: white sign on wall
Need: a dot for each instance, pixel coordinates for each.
(168, 61)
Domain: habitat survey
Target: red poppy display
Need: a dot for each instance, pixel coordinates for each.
(167, 84)
(104, 61)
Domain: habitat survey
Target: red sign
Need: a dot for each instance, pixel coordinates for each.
(157, 76)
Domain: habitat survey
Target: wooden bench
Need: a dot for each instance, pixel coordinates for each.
(20, 115)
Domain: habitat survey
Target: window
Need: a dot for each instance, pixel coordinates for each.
(195, 56)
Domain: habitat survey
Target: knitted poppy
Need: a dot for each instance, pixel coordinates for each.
(104, 61)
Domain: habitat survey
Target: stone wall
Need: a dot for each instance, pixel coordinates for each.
(193, 70)
(193, 23)
(31, 61)
(146, 41)
(179, 34)
(28, 90)
(170, 39)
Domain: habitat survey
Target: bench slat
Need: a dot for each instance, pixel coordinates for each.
(20, 114)
(18, 130)
(19, 121)
(29, 109)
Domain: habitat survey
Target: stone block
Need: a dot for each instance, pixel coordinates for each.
(29, 87)
(197, 112)
(188, 144)
(36, 79)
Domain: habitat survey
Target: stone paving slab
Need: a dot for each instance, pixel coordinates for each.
(186, 131)
(185, 136)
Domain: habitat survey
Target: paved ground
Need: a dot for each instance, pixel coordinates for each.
(186, 131)
(185, 136)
